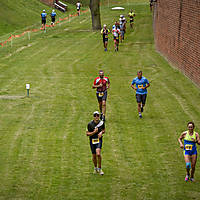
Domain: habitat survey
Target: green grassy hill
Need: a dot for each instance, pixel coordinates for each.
(44, 152)
(19, 14)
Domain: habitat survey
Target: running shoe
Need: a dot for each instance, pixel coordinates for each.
(140, 116)
(192, 179)
(95, 171)
(101, 172)
(187, 178)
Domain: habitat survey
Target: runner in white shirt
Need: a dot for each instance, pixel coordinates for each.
(78, 7)
(116, 34)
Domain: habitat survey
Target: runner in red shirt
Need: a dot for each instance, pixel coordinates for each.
(101, 83)
(116, 33)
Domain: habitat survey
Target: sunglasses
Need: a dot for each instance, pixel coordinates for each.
(96, 115)
(190, 126)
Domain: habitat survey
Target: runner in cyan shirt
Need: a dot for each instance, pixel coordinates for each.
(44, 16)
(140, 85)
(53, 17)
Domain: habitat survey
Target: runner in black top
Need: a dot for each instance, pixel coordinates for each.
(95, 130)
(105, 33)
(151, 4)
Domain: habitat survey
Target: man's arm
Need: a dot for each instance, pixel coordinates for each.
(147, 85)
(91, 133)
(101, 133)
(97, 86)
(180, 139)
(108, 86)
(132, 85)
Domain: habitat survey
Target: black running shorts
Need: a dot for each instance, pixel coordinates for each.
(105, 40)
(93, 147)
(141, 98)
(102, 96)
(43, 21)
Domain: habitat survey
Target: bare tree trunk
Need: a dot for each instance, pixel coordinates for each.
(95, 13)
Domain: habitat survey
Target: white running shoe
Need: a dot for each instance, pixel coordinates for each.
(95, 171)
(192, 179)
(101, 172)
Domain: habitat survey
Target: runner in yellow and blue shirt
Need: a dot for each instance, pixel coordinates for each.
(140, 85)
(190, 138)
(131, 16)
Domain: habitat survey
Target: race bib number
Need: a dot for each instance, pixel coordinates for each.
(188, 147)
(140, 86)
(116, 38)
(101, 94)
(106, 36)
(95, 141)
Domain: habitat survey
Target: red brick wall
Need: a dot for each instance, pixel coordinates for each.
(177, 34)
(48, 2)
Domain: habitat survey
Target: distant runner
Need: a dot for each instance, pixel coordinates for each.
(78, 7)
(190, 138)
(53, 17)
(95, 131)
(141, 85)
(105, 33)
(101, 83)
(116, 34)
(151, 4)
(44, 16)
(122, 25)
(117, 24)
(131, 16)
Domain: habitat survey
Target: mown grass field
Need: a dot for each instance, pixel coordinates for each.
(44, 152)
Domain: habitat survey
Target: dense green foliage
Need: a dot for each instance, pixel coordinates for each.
(44, 152)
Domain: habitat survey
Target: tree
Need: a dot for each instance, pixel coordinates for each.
(95, 13)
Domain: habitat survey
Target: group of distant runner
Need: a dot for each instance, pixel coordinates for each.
(118, 31)
(44, 18)
(53, 15)
(96, 128)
